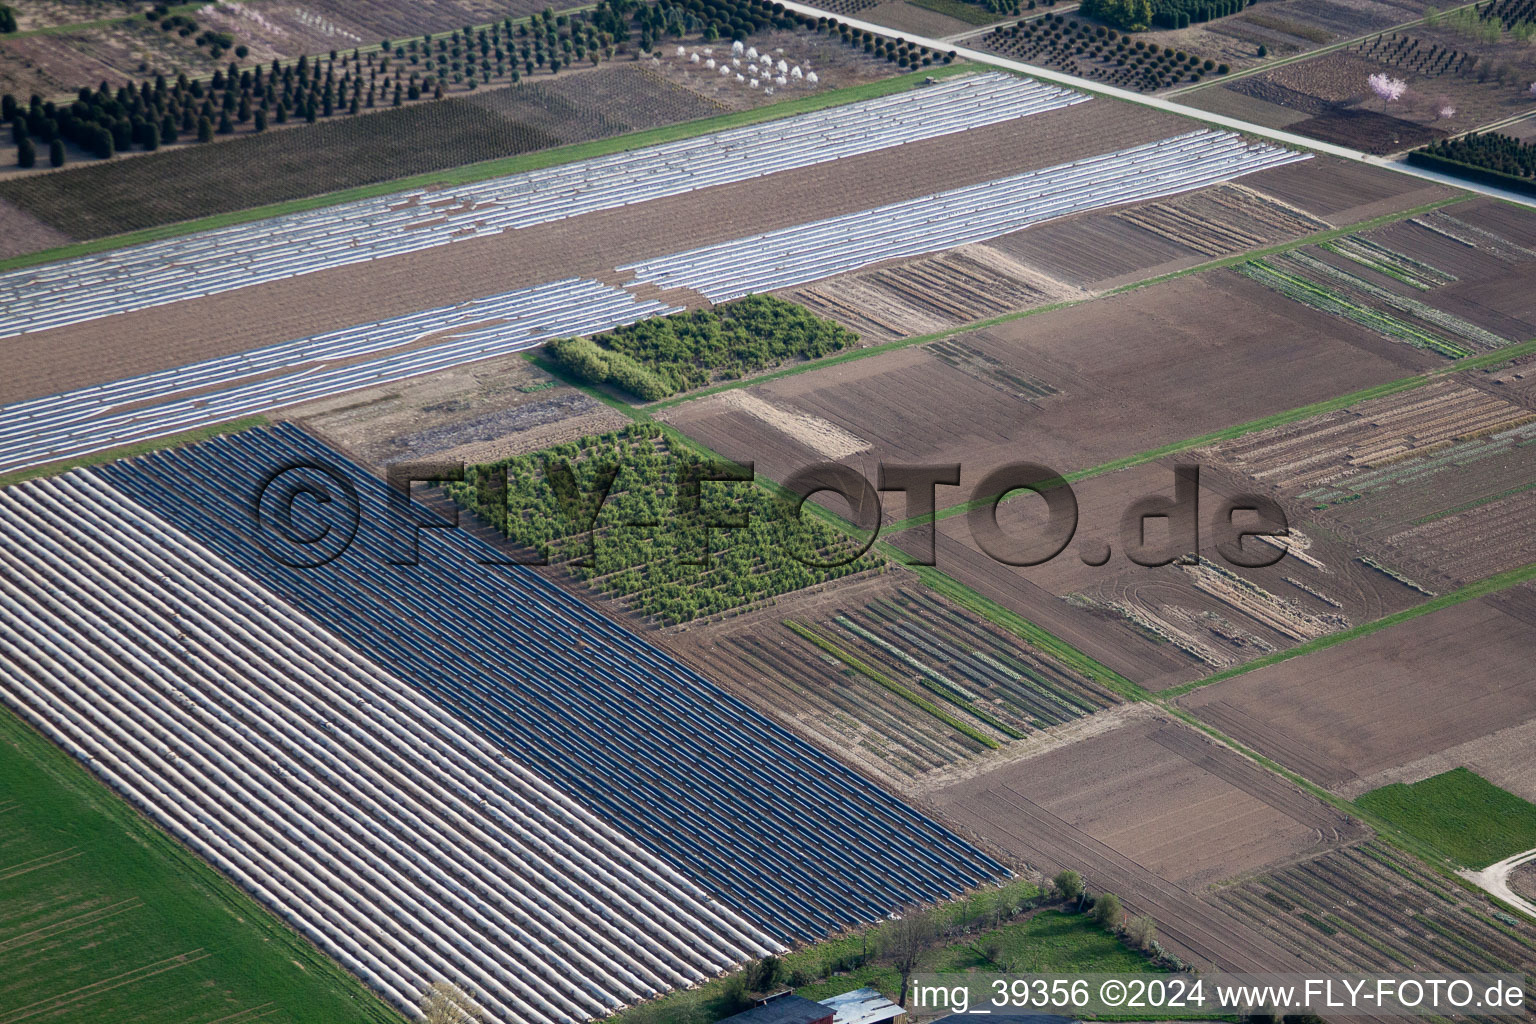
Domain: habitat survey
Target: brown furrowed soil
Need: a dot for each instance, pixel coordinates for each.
(1071, 388)
(946, 665)
(1028, 813)
(1385, 699)
(1217, 816)
(472, 414)
(1344, 193)
(1437, 482)
(1372, 908)
(932, 293)
(1172, 623)
(590, 245)
(22, 233)
(1523, 880)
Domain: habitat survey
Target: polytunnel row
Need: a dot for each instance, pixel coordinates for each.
(766, 822)
(224, 259)
(377, 824)
(975, 213)
(80, 422)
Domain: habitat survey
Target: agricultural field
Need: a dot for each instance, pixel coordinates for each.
(646, 546)
(1378, 701)
(103, 918)
(1083, 806)
(1457, 73)
(932, 293)
(1022, 390)
(893, 677)
(1218, 815)
(1468, 819)
(1523, 880)
(482, 412)
(1371, 907)
(1079, 47)
(1433, 481)
(612, 759)
(1166, 625)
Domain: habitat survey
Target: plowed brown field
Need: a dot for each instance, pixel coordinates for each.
(1384, 699)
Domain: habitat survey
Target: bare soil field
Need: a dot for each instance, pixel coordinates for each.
(1216, 613)
(590, 245)
(1006, 812)
(1384, 699)
(1217, 815)
(22, 233)
(1438, 482)
(908, 665)
(1104, 249)
(1523, 880)
(1454, 84)
(192, 180)
(920, 21)
(473, 414)
(1172, 623)
(1502, 757)
(931, 293)
(1370, 907)
(1069, 388)
(1344, 193)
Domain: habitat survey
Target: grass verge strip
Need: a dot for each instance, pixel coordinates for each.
(1482, 588)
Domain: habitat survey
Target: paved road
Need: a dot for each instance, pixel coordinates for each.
(1495, 879)
(1171, 106)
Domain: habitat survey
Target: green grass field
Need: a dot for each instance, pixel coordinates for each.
(104, 918)
(1050, 941)
(1460, 814)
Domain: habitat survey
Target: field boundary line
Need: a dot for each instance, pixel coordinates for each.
(1481, 588)
(128, 451)
(195, 877)
(501, 167)
(1309, 54)
(1158, 102)
(1045, 641)
(1316, 238)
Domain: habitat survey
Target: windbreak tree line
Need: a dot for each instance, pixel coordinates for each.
(664, 355)
(1490, 151)
(158, 111)
(1140, 15)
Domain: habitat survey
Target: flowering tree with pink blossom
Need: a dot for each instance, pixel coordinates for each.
(1390, 90)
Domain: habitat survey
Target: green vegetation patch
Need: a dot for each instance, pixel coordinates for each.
(104, 918)
(635, 517)
(992, 931)
(1461, 814)
(659, 357)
